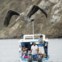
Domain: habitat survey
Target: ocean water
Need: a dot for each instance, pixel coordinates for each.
(9, 50)
(55, 50)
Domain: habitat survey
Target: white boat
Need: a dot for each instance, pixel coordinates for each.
(28, 40)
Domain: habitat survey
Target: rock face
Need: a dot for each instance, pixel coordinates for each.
(51, 26)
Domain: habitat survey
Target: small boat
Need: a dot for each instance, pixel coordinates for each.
(27, 41)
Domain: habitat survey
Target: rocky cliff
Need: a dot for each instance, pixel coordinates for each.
(51, 26)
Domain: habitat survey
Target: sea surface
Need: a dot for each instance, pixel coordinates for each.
(9, 50)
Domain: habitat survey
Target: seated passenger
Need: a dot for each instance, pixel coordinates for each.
(24, 52)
